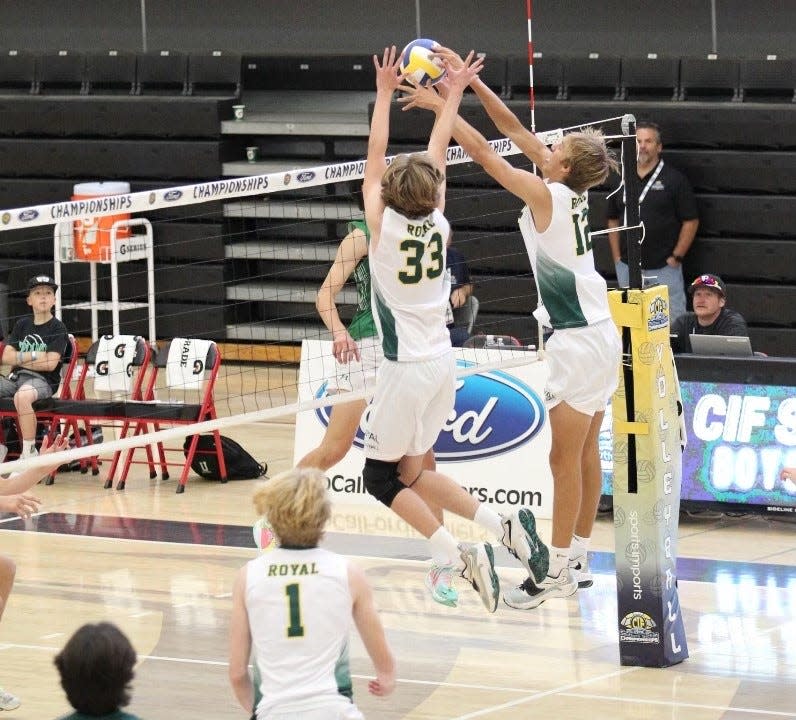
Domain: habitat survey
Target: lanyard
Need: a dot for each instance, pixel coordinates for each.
(650, 182)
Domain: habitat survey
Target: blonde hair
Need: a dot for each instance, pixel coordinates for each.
(297, 506)
(590, 160)
(410, 185)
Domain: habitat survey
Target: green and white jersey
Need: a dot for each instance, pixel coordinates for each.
(362, 324)
(573, 293)
(411, 286)
(299, 606)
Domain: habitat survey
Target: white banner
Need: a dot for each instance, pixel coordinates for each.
(495, 444)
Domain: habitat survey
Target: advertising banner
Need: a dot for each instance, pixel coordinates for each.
(495, 443)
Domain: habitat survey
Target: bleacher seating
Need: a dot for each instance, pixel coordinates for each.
(727, 123)
(62, 72)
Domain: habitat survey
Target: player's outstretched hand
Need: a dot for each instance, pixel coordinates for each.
(383, 685)
(344, 347)
(388, 75)
(460, 75)
(58, 443)
(22, 504)
(445, 54)
(788, 473)
(420, 96)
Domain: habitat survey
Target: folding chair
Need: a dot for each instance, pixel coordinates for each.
(593, 77)
(548, 77)
(710, 78)
(18, 72)
(186, 371)
(111, 73)
(112, 374)
(164, 73)
(43, 407)
(650, 78)
(769, 80)
(62, 72)
(215, 74)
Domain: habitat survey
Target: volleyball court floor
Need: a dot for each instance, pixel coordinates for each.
(161, 566)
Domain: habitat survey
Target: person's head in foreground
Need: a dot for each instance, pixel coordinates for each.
(581, 160)
(411, 186)
(297, 506)
(96, 668)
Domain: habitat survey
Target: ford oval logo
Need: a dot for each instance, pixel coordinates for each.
(305, 176)
(172, 195)
(28, 215)
(494, 413)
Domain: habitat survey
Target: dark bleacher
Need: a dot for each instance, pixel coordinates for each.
(66, 118)
(155, 119)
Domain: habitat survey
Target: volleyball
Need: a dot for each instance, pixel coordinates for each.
(418, 65)
(264, 536)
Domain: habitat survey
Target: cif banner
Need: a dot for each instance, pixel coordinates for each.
(647, 474)
(740, 437)
(495, 443)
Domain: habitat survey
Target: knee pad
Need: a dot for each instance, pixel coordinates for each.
(381, 480)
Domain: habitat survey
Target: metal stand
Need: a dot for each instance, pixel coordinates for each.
(135, 247)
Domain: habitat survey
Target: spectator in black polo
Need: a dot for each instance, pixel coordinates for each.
(668, 209)
(710, 316)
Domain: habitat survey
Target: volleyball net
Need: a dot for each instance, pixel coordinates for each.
(240, 261)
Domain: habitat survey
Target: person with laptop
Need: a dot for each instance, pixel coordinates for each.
(710, 315)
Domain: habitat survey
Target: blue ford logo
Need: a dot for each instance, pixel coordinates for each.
(305, 176)
(172, 195)
(28, 215)
(494, 413)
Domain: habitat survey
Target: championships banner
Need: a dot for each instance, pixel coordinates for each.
(495, 444)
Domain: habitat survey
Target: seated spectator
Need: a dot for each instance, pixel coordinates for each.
(461, 289)
(34, 350)
(96, 667)
(709, 317)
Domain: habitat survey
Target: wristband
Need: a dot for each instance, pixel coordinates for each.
(33, 356)
(679, 258)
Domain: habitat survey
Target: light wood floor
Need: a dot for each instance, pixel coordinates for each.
(95, 554)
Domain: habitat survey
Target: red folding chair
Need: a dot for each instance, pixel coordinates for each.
(185, 372)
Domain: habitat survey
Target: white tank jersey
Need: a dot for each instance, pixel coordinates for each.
(299, 607)
(574, 294)
(411, 286)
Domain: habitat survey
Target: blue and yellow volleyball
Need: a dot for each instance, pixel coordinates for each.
(418, 65)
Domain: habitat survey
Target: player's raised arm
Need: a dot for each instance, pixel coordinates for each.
(500, 114)
(458, 77)
(388, 79)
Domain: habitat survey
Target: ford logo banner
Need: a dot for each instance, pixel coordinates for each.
(494, 413)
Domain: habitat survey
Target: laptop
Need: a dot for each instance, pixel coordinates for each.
(728, 345)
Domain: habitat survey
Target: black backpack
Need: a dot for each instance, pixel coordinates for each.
(240, 465)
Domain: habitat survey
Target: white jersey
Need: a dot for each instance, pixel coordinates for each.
(573, 293)
(411, 286)
(299, 608)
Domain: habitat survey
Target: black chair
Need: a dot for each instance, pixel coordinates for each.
(650, 78)
(18, 72)
(162, 73)
(710, 78)
(62, 72)
(769, 80)
(215, 74)
(309, 72)
(548, 76)
(111, 73)
(493, 73)
(594, 77)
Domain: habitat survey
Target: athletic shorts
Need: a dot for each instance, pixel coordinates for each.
(412, 402)
(19, 378)
(584, 367)
(356, 375)
(342, 709)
